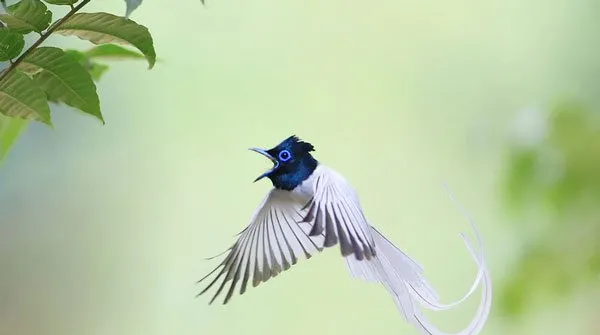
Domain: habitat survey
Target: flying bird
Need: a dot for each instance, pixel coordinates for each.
(312, 207)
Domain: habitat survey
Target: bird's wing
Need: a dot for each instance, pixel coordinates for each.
(271, 243)
(335, 212)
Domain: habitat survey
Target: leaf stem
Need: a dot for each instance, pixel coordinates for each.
(42, 38)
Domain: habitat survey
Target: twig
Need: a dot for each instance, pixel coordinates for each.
(42, 38)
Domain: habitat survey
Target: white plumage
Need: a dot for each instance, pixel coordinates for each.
(325, 211)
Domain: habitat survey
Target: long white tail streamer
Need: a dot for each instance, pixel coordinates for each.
(404, 280)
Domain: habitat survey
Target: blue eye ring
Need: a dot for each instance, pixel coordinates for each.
(285, 155)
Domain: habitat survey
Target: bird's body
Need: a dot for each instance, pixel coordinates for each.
(312, 207)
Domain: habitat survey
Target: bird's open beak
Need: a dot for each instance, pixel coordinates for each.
(266, 154)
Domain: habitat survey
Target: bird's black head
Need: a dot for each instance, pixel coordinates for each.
(292, 161)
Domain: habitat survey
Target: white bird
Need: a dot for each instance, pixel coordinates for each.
(312, 207)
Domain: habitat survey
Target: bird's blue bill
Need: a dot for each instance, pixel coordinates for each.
(273, 159)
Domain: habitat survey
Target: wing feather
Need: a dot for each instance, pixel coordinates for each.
(335, 212)
(363, 236)
(272, 243)
(238, 270)
(308, 245)
(225, 267)
(250, 262)
(233, 270)
(347, 243)
(287, 251)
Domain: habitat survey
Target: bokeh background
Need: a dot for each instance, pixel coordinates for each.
(103, 229)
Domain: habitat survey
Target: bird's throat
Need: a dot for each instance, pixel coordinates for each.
(291, 178)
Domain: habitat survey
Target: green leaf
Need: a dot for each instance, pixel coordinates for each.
(10, 129)
(97, 70)
(21, 97)
(113, 51)
(64, 79)
(131, 6)
(61, 2)
(76, 55)
(11, 44)
(27, 16)
(101, 28)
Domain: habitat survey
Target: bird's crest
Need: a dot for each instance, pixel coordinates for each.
(294, 141)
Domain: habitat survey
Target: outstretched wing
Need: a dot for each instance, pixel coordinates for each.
(270, 244)
(335, 211)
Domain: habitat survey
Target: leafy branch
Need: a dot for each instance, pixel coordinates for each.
(40, 75)
(43, 37)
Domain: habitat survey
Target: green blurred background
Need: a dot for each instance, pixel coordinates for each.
(104, 229)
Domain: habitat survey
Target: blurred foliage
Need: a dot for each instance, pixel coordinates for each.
(10, 129)
(557, 177)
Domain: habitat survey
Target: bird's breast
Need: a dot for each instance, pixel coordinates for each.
(307, 187)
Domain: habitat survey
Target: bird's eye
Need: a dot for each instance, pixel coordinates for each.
(285, 156)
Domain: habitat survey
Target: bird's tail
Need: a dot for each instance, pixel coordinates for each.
(404, 280)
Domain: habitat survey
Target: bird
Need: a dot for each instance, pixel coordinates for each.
(311, 208)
